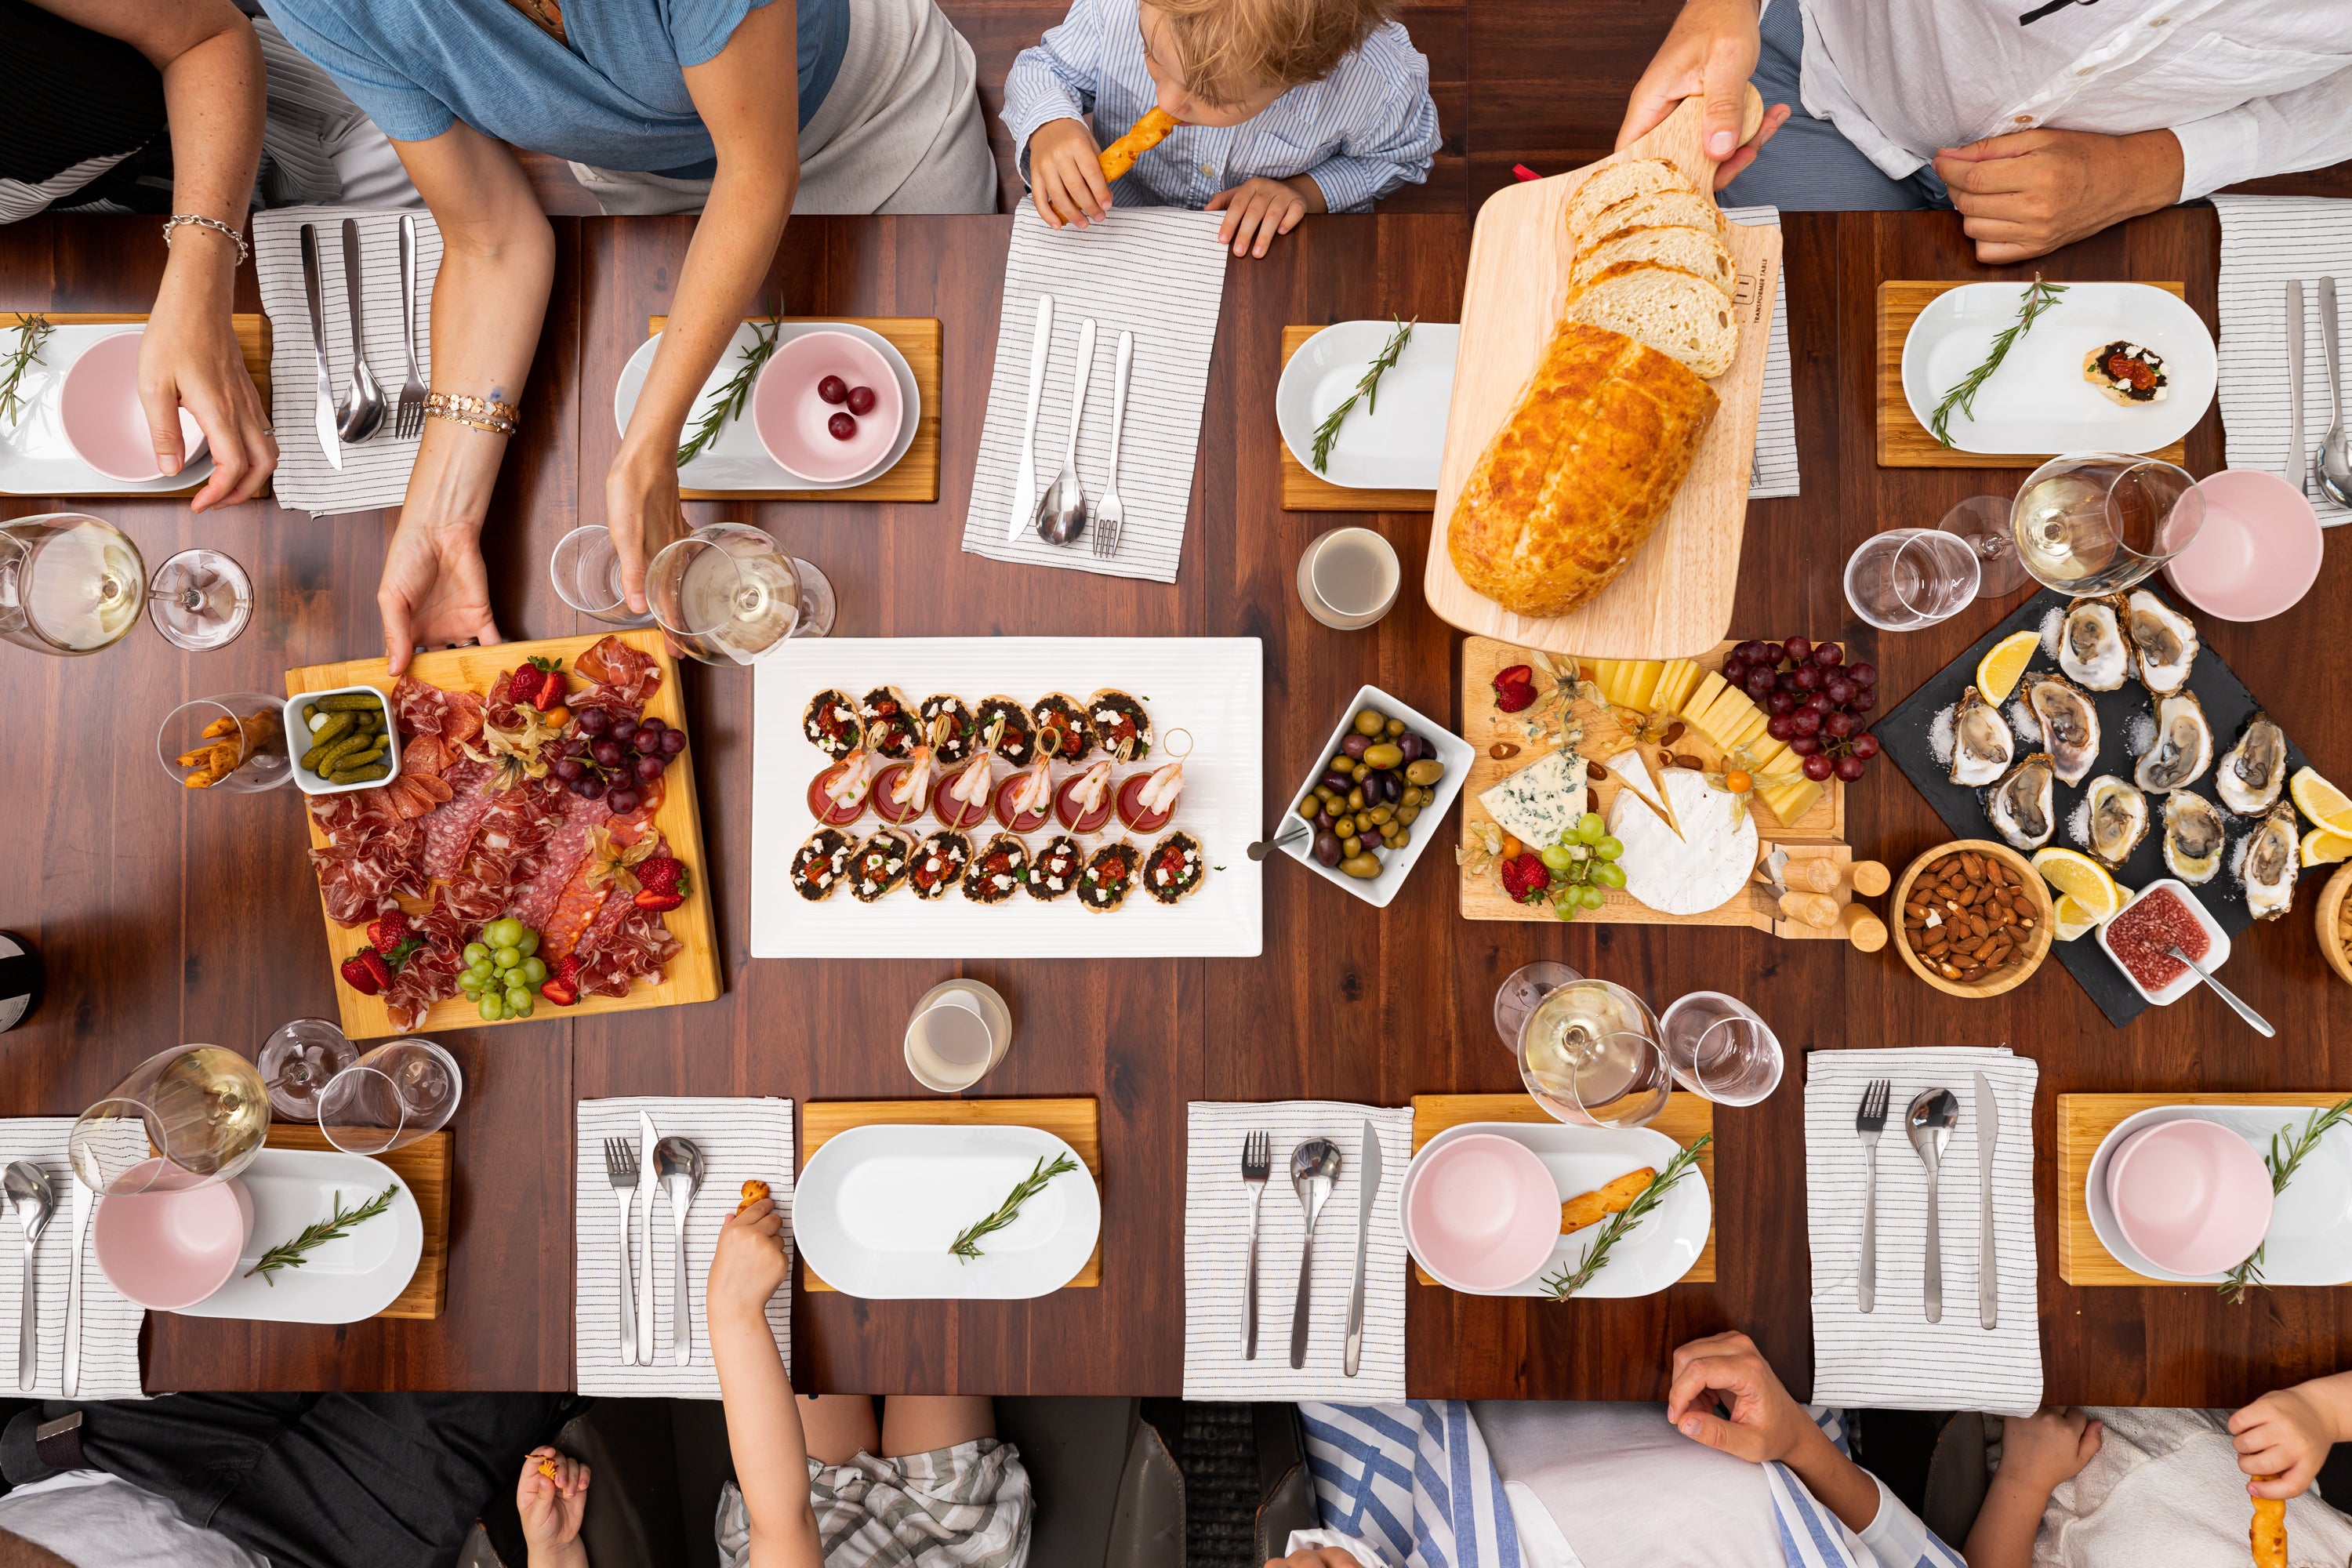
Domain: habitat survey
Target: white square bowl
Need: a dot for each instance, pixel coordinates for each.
(1450, 748)
(2187, 982)
(298, 731)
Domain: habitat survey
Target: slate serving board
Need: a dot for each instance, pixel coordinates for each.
(1904, 733)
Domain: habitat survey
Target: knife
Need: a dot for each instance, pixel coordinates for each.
(323, 416)
(82, 1199)
(647, 1137)
(1988, 1262)
(1025, 491)
(1368, 1177)
(2297, 455)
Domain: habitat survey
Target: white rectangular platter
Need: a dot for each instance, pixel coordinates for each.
(1209, 687)
(341, 1281)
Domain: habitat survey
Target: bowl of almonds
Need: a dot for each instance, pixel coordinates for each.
(1974, 918)
(2333, 916)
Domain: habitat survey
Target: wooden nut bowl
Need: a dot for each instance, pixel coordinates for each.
(2029, 956)
(2323, 919)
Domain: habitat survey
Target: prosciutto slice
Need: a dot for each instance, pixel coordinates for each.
(371, 859)
(520, 822)
(620, 676)
(420, 709)
(430, 973)
(626, 942)
(535, 896)
(449, 827)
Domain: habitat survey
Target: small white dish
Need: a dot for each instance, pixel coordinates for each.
(877, 1208)
(2310, 1237)
(35, 458)
(2188, 980)
(298, 730)
(1450, 748)
(2038, 401)
(735, 460)
(340, 1281)
(1392, 441)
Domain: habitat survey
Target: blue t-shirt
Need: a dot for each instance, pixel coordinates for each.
(614, 96)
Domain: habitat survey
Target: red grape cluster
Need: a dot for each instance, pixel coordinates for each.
(1815, 701)
(612, 756)
(860, 400)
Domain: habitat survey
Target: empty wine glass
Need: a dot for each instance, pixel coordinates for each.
(1981, 523)
(1717, 1047)
(726, 594)
(390, 1098)
(71, 584)
(200, 599)
(249, 723)
(1521, 990)
(297, 1062)
(184, 1118)
(1589, 1053)
(586, 571)
(1906, 578)
(2098, 523)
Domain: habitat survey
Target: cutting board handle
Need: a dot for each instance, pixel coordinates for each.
(1678, 137)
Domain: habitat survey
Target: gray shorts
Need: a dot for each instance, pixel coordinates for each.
(965, 1507)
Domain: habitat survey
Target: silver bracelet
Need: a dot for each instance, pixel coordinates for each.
(244, 251)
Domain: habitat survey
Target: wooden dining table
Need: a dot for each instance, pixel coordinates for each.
(169, 915)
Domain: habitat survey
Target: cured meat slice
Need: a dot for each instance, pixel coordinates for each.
(520, 821)
(430, 973)
(634, 942)
(465, 721)
(449, 827)
(582, 902)
(620, 676)
(536, 896)
(371, 857)
(420, 709)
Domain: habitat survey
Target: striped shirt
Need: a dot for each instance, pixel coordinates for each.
(1360, 132)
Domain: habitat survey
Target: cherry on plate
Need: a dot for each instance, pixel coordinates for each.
(842, 425)
(861, 400)
(833, 389)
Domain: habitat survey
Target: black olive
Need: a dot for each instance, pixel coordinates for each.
(1326, 848)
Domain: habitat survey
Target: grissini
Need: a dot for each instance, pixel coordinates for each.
(1141, 137)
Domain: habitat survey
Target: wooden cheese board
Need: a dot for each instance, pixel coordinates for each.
(691, 976)
(1673, 600)
(251, 330)
(1304, 489)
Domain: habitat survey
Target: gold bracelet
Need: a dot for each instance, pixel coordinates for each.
(475, 413)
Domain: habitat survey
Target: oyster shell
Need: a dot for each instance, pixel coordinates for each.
(2118, 818)
(2070, 725)
(2272, 863)
(2253, 772)
(2194, 838)
(2164, 642)
(2183, 748)
(2091, 645)
(2021, 807)
(1981, 744)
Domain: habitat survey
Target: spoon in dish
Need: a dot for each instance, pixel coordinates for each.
(1929, 1124)
(34, 1201)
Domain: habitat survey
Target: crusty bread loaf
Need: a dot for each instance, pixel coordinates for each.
(1678, 313)
(1688, 209)
(1696, 250)
(1613, 183)
(1578, 477)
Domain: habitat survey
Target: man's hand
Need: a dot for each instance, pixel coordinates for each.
(749, 1266)
(2283, 1438)
(1258, 209)
(1709, 55)
(2039, 1450)
(1728, 1369)
(435, 589)
(2026, 195)
(1065, 177)
(551, 1507)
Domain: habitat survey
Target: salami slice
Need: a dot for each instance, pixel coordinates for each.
(449, 827)
(535, 896)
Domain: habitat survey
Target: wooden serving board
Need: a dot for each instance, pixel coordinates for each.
(424, 1165)
(1304, 489)
(1674, 599)
(1902, 441)
(1075, 1122)
(1685, 1118)
(2083, 1121)
(692, 976)
(914, 477)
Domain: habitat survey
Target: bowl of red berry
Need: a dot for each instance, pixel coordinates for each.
(827, 407)
(1815, 702)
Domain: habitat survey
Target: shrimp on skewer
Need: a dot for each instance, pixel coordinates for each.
(851, 779)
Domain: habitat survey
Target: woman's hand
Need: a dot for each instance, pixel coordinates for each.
(641, 508)
(2284, 1437)
(189, 356)
(436, 589)
(749, 1266)
(2049, 1446)
(1728, 1369)
(1258, 209)
(1065, 177)
(551, 1505)
(1709, 55)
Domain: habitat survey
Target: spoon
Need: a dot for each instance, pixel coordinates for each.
(1265, 847)
(362, 408)
(2258, 1023)
(1930, 1124)
(34, 1201)
(1061, 511)
(678, 1164)
(2335, 458)
(1313, 1171)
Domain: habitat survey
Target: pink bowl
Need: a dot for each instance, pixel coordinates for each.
(170, 1250)
(2258, 552)
(98, 406)
(2191, 1195)
(790, 419)
(1482, 1211)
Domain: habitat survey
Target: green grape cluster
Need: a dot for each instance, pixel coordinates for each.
(503, 971)
(1582, 864)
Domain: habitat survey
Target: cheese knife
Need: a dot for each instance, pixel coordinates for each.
(323, 415)
(1988, 1263)
(1024, 487)
(1368, 1167)
(647, 1137)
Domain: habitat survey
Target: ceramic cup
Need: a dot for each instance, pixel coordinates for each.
(99, 407)
(166, 1250)
(1349, 578)
(961, 1030)
(1481, 1212)
(2258, 552)
(2192, 1197)
(791, 421)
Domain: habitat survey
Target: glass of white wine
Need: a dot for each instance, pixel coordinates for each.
(71, 584)
(184, 1118)
(726, 594)
(2098, 523)
(1589, 1053)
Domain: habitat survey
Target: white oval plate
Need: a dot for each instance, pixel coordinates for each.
(875, 1209)
(36, 458)
(1656, 1253)
(735, 460)
(340, 1281)
(1396, 443)
(2310, 1238)
(2038, 401)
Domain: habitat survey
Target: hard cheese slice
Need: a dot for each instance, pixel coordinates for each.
(1539, 802)
(1702, 866)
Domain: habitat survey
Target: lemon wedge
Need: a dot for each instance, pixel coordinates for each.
(2321, 847)
(2081, 879)
(2071, 919)
(2321, 802)
(2003, 663)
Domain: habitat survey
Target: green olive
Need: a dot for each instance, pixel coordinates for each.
(1340, 763)
(1344, 826)
(1369, 722)
(1362, 866)
(1412, 796)
(1383, 755)
(1403, 838)
(1395, 727)
(1311, 807)
(1426, 771)
(1356, 798)
(1351, 845)
(1374, 816)
(1407, 815)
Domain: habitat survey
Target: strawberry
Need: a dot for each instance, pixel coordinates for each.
(524, 684)
(549, 693)
(1515, 689)
(389, 930)
(1526, 878)
(366, 971)
(662, 884)
(562, 987)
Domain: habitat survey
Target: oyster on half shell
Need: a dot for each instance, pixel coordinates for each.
(2164, 642)
(2183, 748)
(2253, 772)
(2070, 725)
(2091, 645)
(2194, 838)
(2272, 863)
(1982, 742)
(2022, 807)
(2118, 818)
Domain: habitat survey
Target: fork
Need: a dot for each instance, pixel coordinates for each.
(408, 418)
(1110, 515)
(1257, 1164)
(621, 1170)
(1869, 1121)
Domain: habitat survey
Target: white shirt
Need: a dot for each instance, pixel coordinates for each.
(95, 1520)
(2251, 87)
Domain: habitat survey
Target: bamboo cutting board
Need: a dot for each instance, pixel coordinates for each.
(1684, 1120)
(424, 1165)
(1077, 1123)
(1304, 489)
(252, 343)
(691, 976)
(1674, 599)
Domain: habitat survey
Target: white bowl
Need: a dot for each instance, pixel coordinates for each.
(1450, 748)
(297, 744)
(2188, 981)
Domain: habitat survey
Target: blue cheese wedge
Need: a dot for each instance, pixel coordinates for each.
(1539, 802)
(1702, 867)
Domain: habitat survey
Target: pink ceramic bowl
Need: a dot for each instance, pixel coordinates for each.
(792, 420)
(2191, 1195)
(2258, 552)
(1481, 1212)
(170, 1250)
(98, 406)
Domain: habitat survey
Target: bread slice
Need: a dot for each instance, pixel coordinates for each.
(1695, 250)
(1688, 209)
(1678, 313)
(1613, 183)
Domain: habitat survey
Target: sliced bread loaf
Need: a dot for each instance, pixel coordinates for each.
(1687, 208)
(1697, 250)
(1678, 313)
(1613, 183)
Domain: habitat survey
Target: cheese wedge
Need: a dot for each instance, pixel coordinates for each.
(1605, 675)
(1540, 802)
(1790, 801)
(1724, 720)
(1750, 729)
(1698, 865)
(1641, 682)
(1676, 683)
(1633, 774)
(1710, 687)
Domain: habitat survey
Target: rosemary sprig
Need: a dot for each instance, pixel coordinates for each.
(2039, 297)
(1367, 389)
(288, 1253)
(2283, 1160)
(32, 331)
(966, 1244)
(736, 391)
(1568, 1282)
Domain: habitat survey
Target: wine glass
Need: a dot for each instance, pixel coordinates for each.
(298, 1061)
(71, 584)
(1906, 578)
(586, 571)
(2098, 523)
(1589, 1053)
(1717, 1047)
(1981, 523)
(249, 723)
(726, 594)
(200, 599)
(184, 1118)
(1521, 990)
(390, 1098)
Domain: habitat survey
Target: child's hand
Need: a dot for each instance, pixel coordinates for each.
(552, 1497)
(2282, 1438)
(1065, 176)
(1256, 211)
(750, 1263)
(2038, 1451)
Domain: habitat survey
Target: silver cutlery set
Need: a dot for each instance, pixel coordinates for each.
(33, 1198)
(360, 416)
(1928, 1122)
(1060, 515)
(675, 1165)
(2333, 460)
(1314, 1173)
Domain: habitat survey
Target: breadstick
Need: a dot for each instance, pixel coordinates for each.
(1592, 1208)
(1146, 133)
(2267, 1535)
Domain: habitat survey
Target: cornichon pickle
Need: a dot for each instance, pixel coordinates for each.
(352, 702)
(331, 756)
(360, 776)
(337, 726)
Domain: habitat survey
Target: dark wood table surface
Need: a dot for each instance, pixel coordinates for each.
(167, 915)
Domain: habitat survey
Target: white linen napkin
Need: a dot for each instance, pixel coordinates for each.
(2265, 241)
(1773, 471)
(1156, 272)
(1216, 1256)
(741, 1140)
(1894, 1358)
(375, 471)
(109, 1320)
